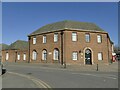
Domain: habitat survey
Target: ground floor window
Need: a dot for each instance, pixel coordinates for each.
(7, 55)
(100, 57)
(56, 54)
(44, 55)
(24, 56)
(74, 56)
(18, 56)
(34, 55)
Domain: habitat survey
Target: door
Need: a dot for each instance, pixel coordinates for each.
(88, 54)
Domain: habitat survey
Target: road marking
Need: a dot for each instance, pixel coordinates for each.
(35, 80)
(95, 75)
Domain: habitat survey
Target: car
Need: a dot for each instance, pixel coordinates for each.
(2, 69)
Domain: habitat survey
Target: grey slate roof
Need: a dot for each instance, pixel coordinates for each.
(19, 45)
(3, 46)
(67, 24)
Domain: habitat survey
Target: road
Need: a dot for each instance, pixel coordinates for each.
(64, 78)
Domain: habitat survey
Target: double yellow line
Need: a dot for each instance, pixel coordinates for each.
(38, 82)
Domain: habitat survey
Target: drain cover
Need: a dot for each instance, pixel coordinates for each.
(29, 73)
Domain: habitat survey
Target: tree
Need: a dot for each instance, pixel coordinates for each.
(117, 49)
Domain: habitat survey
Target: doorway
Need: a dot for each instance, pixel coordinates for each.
(88, 57)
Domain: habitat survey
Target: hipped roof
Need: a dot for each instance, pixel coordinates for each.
(67, 24)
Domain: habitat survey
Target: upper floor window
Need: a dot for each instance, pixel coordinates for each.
(18, 56)
(34, 40)
(7, 55)
(74, 36)
(87, 37)
(99, 38)
(55, 37)
(44, 39)
(74, 56)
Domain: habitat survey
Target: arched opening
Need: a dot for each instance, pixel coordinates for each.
(44, 54)
(56, 54)
(88, 56)
(34, 55)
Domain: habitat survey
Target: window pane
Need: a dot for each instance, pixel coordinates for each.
(18, 56)
(44, 55)
(44, 39)
(74, 36)
(87, 38)
(24, 56)
(99, 56)
(55, 37)
(56, 54)
(99, 38)
(34, 40)
(7, 56)
(34, 55)
(74, 55)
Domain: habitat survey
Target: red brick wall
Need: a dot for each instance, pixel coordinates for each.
(49, 46)
(70, 46)
(13, 57)
(81, 44)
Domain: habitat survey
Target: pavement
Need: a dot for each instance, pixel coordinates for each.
(101, 67)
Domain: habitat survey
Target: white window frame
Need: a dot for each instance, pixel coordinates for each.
(87, 37)
(34, 40)
(99, 38)
(34, 55)
(24, 56)
(18, 56)
(75, 56)
(74, 36)
(100, 56)
(7, 56)
(55, 37)
(56, 54)
(44, 39)
(44, 55)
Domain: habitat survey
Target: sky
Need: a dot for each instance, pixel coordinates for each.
(20, 19)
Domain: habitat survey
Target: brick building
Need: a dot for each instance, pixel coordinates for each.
(16, 52)
(70, 42)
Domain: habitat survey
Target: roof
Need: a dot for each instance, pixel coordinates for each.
(3, 46)
(67, 24)
(111, 42)
(18, 45)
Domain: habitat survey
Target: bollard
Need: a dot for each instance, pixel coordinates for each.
(97, 67)
(64, 65)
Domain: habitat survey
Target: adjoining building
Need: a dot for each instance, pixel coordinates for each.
(70, 42)
(2, 47)
(16, 52)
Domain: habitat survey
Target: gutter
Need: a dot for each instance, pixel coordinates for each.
(61, 47)
(108, 48)
(68, 29)
(29, 50)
